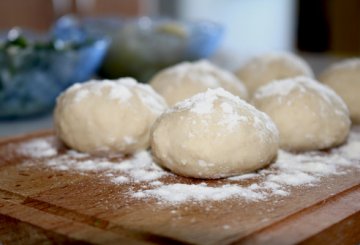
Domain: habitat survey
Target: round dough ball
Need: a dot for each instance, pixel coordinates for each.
(186, 79)
(271, 66)
(344, 78)
(308, 114)
(107, 116)
(212, 135)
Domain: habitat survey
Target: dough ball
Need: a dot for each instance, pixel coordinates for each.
(344, 78)
(308, 114)
(272, 66)
(186, 79)
(107, 116)
(212, 135)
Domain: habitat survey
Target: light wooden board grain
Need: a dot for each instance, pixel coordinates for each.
(39, 204)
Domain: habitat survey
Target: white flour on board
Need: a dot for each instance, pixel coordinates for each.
(289, 170)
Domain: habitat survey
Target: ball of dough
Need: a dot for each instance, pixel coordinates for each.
(107, 116)
(186, 79)
(212, 135)
(344, 78)
(308, 114)
(271, 66)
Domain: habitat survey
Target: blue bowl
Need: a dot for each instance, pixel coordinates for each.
(140, 47)
(33, 74)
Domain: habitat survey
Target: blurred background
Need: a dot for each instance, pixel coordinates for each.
(321, 31)
(251, 25)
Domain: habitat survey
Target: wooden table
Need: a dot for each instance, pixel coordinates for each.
(41, 205)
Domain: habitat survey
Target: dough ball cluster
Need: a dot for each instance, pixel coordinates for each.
(107, 116)
(344, 78)
(308, 114)
(211, 131)
(214, 134)
(186, 79)
(264, 68)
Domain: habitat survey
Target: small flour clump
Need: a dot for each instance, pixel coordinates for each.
(107, 116)
(186, 79)
(350, 150)
(199, 192)
(39, 148)
(212, 135)
(308, 114)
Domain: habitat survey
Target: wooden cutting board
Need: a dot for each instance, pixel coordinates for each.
(42, 205)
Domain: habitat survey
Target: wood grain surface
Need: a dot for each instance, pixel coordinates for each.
(40, 205)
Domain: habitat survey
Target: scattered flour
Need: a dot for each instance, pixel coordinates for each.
(351, 149)
(39, 148)
(116, 90)
(120, 179)
(292, 178)
(205, 73)
(121, 90)
(243, 176)
(139, 168)
(184, 192)
(231, 105)
(281, 88)
(289, 171)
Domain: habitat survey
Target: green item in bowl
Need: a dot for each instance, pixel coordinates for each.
(34, 72)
